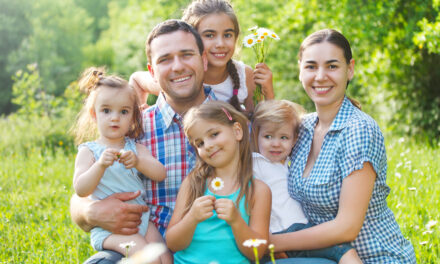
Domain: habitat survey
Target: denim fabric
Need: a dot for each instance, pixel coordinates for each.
(303, 261)
(334, 253)
(104, 257)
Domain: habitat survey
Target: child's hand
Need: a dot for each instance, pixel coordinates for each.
(128, 158)
(202, 208)
(263, 77)
(226, 210)
(109, 156)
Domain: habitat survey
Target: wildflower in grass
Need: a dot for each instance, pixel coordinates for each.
(259, 40)
(412, 188)
(217, 184)
(60, 143)
(127, 246)
(254, 243)
(149, 254)
(431, 224)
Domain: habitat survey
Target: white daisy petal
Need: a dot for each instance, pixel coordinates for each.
(249, 41)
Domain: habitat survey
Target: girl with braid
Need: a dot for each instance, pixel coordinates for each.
(232, 81)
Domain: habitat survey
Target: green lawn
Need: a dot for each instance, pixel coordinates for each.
(35, 189)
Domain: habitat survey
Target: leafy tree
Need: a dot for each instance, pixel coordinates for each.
(14, 26)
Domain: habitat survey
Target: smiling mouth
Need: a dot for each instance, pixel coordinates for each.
(275, 152)
(322, 89)
(180, 79)
(213, 154)
(219, 55)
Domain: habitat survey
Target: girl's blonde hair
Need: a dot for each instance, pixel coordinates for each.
(91, 82)
(224, 114)
(198, 10)
(278, 113)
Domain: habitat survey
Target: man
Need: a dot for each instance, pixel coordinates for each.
(177, 63)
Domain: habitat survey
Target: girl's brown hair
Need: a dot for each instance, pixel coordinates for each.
(91, 82)
(278, 113)
(217, 111)
(334, 37)
(198, 10)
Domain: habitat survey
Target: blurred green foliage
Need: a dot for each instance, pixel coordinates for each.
(395, 45)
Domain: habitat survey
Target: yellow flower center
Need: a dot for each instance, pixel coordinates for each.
(250, 41)
(217, 184)
(265, 33)
(273, 35)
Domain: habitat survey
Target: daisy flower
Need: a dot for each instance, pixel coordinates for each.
(127, 244)
(148, 254)
(249, 41)
(217, 184)
(254, 242)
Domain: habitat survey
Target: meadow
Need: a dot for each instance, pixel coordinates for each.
(36, 185)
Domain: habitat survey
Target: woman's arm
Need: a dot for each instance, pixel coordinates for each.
(182, 226)
(354, 198)
(258, 227)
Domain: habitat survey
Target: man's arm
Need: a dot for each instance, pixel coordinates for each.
(110, 213)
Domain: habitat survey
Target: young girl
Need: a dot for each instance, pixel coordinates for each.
(110, 164)
(219, 204)
(275, 127)
(232, 81)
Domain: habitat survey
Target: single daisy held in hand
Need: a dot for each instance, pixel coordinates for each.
(217, 184)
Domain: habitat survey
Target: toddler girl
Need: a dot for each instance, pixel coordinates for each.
(219, 204)
(111, 162)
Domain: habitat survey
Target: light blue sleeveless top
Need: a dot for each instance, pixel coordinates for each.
(116, 179)
(213, 240)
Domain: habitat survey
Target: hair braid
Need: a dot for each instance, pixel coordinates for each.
(232, 70)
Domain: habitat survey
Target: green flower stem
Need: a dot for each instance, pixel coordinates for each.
(272, 257)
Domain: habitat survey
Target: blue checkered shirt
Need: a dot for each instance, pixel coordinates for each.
(165, 138)
(353, 138)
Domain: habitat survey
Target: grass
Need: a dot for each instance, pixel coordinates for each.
(35, 188)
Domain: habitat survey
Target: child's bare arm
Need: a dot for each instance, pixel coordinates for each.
(143, 84)
(263, 77)
(258, 227)
(88, 173)
(148, 165)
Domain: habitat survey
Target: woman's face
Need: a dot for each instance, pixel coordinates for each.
(218, 35)
(324, 73)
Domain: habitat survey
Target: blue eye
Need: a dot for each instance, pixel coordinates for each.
(106, 110)
(124, 112)
(229, 35)
(209, 35)
(310, 67)
(268, 136)
(284, 137)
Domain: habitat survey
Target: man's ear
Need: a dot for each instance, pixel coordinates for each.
(150, 69)
(238, 131)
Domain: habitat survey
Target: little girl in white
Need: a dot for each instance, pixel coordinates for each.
(275, 126)
(111, 162)
(219, 205)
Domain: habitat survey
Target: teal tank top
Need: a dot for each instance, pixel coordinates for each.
(213, 240)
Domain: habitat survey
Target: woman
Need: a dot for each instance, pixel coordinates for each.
(338, 170)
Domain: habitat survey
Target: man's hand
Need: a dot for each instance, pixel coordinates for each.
(116, 216)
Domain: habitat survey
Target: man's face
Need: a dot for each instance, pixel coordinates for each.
(177, 65)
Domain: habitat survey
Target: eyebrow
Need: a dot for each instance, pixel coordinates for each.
(327, 62)
(180, 51)
(213, 31)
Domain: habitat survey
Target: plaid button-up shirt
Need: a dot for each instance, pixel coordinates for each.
(165, 138)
